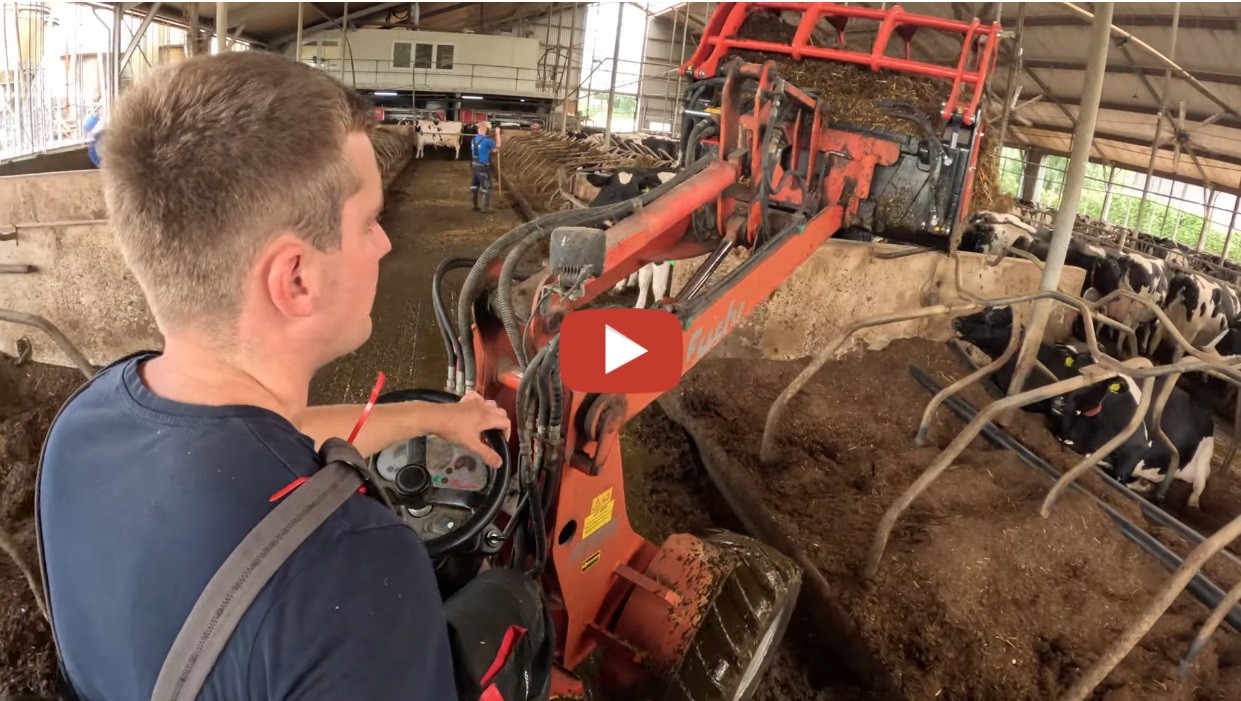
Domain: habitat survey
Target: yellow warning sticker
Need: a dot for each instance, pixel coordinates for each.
(600, 513)
(590, 561)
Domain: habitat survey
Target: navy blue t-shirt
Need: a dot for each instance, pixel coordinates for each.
(481, 147)
(143, 498)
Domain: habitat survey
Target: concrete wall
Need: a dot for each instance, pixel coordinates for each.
(81, 283)
(486, 63)
(844, 281)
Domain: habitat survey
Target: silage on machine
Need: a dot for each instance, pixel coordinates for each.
(854, 95)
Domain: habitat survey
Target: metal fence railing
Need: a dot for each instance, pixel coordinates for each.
(376, 74)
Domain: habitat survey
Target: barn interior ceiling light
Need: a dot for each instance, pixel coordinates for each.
(385, 94)
(471, 97)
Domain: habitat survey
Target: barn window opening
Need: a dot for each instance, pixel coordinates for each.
(602, 23)
(423, 55)
(443, 57)
(401, 54)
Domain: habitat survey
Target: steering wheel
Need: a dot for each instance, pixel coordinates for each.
(448, 512)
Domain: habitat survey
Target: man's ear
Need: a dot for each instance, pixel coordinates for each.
(288, 275)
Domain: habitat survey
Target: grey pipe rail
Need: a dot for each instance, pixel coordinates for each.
(61, 340)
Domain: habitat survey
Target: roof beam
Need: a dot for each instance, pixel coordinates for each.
(1063, 65)
(1137, 108)
(1218, 22)
(328, 22)
(1130, 139)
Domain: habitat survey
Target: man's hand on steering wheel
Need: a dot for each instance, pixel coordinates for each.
(463, 423)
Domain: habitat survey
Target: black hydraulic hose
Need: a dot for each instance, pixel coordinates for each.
(504, 297)
(692, 95)
(552, 458)
(902, 109)
(538, 529)
(1202, 588)
(452, 347)
(557, 391)
(695, 137)
(541, 227)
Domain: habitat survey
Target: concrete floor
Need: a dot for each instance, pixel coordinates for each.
(428, 216)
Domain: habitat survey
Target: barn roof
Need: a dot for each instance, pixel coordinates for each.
(1049, 85)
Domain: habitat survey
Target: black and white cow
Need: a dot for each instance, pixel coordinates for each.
(1093, 415)
(990, 329)
(1142, 275)
(626, 183)
(653, 280)
(1201, 309)
(994, 233)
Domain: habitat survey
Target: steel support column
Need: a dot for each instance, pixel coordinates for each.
(1159, 118)
(300, 17)
(191, 32)
(344, 41)
(1107, 193)
(1074, 177)
(221, 27)
(1211, 193)
(114, 61)
(564, 112)
(620, 20)
(1030, 173)
(1010, 91)
(1232, 222)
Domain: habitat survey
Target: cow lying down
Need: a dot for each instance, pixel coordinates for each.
(1088, 418)
(1093, 415)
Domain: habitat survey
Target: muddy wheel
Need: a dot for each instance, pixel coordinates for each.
(741, 628)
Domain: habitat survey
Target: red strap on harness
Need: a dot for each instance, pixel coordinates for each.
(511, 637)
(366, 412)
(370, 404)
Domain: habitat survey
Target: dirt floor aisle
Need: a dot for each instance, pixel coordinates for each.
(428, 217)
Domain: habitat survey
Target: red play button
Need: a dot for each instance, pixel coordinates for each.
(620, 351)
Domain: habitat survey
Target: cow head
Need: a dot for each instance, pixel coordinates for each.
(600, 179)
(988, 329)
(1095, 413)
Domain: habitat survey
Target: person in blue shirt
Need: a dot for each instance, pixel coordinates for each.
(481, 149)
(93, 126)
(257, 244)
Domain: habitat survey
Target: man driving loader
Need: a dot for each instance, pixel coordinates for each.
(256, 242)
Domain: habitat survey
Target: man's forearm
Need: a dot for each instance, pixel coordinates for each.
(387, 423)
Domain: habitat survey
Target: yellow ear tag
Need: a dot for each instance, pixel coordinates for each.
(1114, 387)
(1068, 361)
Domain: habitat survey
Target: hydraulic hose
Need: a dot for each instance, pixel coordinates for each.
(452, 347)
(528, 481)
(695, 137)
(541, 227)
(903, 109)
(551, 461)
(693, 94)
(504, 297)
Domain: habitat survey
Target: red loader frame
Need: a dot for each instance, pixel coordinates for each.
(780, 183)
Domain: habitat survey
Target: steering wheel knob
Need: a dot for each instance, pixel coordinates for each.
(412, 480)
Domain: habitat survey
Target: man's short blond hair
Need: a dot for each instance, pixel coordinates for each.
(205, 162)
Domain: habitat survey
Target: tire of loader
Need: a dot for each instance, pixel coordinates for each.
(741, 628)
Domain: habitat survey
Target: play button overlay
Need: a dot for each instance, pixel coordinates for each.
(620, 351)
